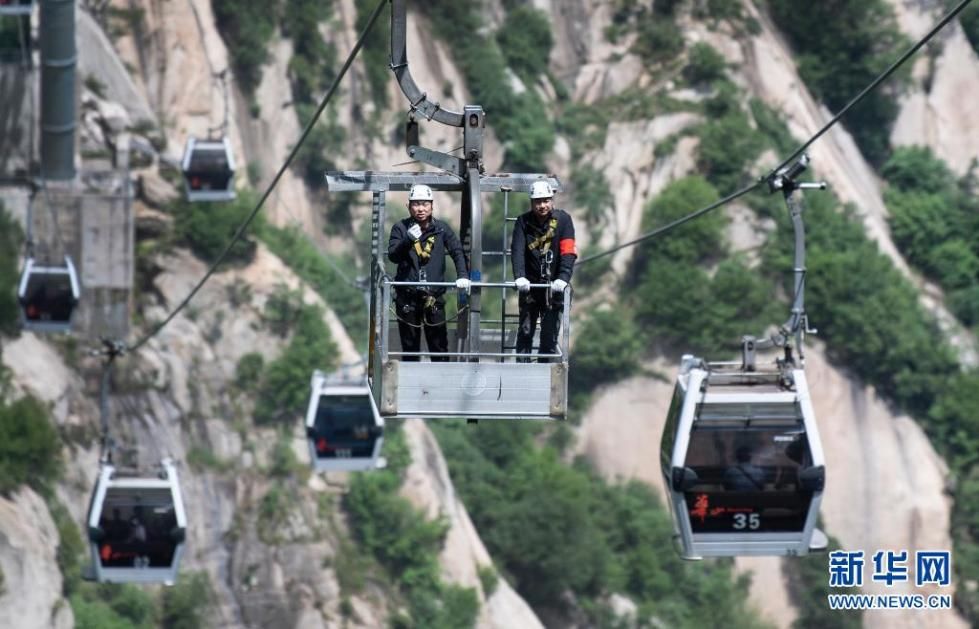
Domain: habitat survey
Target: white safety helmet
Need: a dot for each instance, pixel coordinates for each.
(541, 190)
(420, 192)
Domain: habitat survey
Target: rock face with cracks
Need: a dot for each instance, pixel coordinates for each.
(30, 590)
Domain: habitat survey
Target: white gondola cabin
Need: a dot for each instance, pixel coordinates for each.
(137, 526)
(209, 170)
(16, 7)
(48, 296)
(344, 431)
(742, 461)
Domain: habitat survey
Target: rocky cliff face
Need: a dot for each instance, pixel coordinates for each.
(180, 400)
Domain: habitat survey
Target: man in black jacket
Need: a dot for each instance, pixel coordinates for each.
(544, 252)
(418, 245)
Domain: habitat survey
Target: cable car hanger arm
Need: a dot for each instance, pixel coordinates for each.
(419, 100)
(785, 180)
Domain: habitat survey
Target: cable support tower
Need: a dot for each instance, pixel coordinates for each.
(40, 182)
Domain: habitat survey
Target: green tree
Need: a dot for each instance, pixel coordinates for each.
(728, 146)
(187, 604)
(30, 450)
(964, 303)
(285, 387)
(955, 264)
(521, 121)
(694, 241)
(113, 606)
(704, 64)
(208, 227)
(918, 221)
(546, 533)
(554, 529)
(311, 68)
(607, 349)
(314, 267)
(248, 372)
(953, 417)
(526, 41)
(917, 169)
(10, 243)
(246, 27)
(841, 47)
(658, 39)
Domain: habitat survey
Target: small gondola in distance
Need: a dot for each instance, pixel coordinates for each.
(48, 296)
(208, 169)
(136, 526)
(344, 431)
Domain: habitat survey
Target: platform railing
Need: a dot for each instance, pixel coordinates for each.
(387, 298)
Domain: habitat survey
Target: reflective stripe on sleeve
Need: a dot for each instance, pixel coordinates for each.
(568, 247)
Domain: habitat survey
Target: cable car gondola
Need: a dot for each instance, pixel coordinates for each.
(48, 296)
(209, 170)
(742, 461)
(16, 7)
(343, 428)
(137, 526)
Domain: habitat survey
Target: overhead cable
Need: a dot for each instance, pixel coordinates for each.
(676, 223)
(873, 85)
(764, 180)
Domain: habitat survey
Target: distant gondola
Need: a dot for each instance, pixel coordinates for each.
(137, 526)
(743, 463)
(209, 170)
(343, 428)
(48, 296)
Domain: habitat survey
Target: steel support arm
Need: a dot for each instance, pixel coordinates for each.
(399, 64)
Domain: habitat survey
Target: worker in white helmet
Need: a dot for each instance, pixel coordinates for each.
(419, 245)
(543, 252)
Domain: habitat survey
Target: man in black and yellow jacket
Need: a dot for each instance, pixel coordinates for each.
(543, 252)
(418, 245)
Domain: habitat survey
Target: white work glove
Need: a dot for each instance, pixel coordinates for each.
(463, 284)
(522, 284)
(558, 286)
(415, 231)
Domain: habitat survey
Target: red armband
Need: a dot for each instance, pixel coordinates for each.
(568, 247)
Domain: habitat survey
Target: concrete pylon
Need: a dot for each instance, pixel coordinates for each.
(59, 110)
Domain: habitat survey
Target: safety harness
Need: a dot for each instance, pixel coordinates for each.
(543, 242)
(424, 253)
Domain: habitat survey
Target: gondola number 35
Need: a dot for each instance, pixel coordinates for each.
(742, 521)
